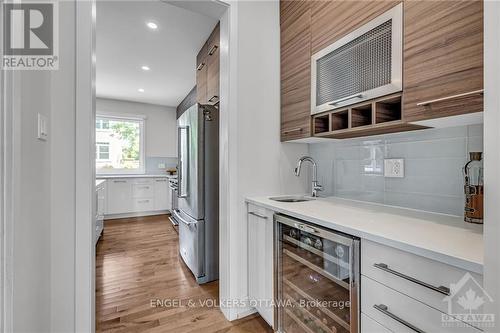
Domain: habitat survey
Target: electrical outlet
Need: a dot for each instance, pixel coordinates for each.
(43, 131)
(394, 168)
(161, 165)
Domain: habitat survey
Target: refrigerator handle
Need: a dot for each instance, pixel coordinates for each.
(182, 154)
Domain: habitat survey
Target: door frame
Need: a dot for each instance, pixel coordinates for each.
(85, 207)
(6, 184)
(85, 171)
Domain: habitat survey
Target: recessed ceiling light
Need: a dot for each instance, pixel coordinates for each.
(140, 90)
(152, 25)
(145, 68)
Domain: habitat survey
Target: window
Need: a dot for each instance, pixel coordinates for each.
(119, 145)
(102, 151)
(102, 124)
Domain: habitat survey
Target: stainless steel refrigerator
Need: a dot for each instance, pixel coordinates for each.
(198, 191)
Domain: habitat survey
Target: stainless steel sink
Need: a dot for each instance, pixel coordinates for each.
(292, 198)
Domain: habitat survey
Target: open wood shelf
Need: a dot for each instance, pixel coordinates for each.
(379, 116)
(388, 110)
(361, 115)
(340, 120)
(321, 124)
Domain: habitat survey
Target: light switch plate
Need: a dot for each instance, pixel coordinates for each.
(43, 131)
(394, 168)
(161, 165)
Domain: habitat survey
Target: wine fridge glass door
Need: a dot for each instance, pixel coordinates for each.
(316, 282)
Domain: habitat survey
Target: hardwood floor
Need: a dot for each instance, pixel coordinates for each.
(138, 270)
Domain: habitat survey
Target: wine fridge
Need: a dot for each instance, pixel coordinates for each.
(317, 278)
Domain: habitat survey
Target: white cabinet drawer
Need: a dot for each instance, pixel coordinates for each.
(260, 261)
(143, 190)
(368, 325)
(410, 274)
(397, 311)
(143, 204)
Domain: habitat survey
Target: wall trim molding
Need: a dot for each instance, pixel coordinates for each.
(6, 203)
(85, 166)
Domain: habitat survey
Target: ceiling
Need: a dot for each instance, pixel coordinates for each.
(125, 43)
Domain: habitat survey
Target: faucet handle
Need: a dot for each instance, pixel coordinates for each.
(318, 187)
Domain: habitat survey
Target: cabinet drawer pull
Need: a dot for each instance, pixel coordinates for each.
(200, 66)
(143, 187)
(142, 201)
(258, 215)
(119, 181)
(213, 98)
(293, 130)
(212, 50)
(161, 180)
(441, 289)
(385, 310)
(343, 99)
(447, 98)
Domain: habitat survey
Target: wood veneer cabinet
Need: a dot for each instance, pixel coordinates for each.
(295, 20)
(443, 58)
(201, 75)
(207, 70)
(213, 60)
(332, 20)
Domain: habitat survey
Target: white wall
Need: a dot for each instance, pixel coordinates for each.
(31, 206)
(161, 133)
(258, 164)
(492, 156)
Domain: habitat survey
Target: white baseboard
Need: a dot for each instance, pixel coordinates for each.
(245, 312)
(135, 214)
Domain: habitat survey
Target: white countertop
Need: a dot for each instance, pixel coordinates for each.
(163, 175)
(439, 237)
(99, 181)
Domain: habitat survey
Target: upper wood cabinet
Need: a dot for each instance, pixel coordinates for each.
(207, 70)
(213, 59)
(201, 75)
(442, 62)
(332, 20)
(295, 70)
(443, 58)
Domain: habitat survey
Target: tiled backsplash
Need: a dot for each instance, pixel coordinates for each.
(152, 164)
(434, 158)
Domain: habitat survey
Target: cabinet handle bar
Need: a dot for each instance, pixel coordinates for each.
(383, 308)
(447, 98)
(441, 289)
(293, 130)
(212, 50)
(258, 215)
(343, 99)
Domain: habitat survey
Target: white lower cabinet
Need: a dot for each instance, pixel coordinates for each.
(100, 210)
(137, 195)
(163, 201)
(119, 196)
(400, 313)
(260, 261)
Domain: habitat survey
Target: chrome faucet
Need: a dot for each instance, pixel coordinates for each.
(315, 185)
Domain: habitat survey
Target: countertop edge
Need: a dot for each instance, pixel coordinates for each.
(133, 176)
(465, 264)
